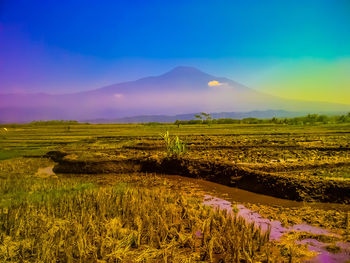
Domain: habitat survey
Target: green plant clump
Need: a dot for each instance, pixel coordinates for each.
(175, 146)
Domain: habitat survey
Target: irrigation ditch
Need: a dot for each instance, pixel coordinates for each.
(226, 173)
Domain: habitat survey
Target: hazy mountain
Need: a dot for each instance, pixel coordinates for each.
(179, 91)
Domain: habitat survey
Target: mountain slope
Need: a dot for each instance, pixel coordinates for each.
(179, 91)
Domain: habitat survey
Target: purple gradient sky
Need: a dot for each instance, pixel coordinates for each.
(294, 49)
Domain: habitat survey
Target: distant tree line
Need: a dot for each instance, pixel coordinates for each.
(310, 119)
(44, 123)
(56, 122)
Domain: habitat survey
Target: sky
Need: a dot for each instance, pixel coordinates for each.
(296, 49)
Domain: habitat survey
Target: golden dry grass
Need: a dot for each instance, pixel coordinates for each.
(71, 219)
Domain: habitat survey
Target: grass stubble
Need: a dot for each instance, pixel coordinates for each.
(131, 218)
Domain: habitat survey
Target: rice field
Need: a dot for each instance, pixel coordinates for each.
(125, 219)
(144, 217)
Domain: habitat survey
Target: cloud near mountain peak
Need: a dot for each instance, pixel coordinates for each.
(215, 83)
(118, 95)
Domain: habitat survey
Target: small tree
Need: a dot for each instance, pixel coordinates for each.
(177, 122)
(204, 117)
(199, 117)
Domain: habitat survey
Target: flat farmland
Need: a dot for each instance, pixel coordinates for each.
(296, 175)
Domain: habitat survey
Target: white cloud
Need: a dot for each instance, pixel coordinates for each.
(118, 95)
(215, 83)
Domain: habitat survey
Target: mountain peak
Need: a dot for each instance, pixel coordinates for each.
(185, 71)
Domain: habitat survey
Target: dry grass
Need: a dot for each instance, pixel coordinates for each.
(76, 220)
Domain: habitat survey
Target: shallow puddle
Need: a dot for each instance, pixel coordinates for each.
(46, 172)
(277, 231)
(242, 196)
(276, 228)
(222, 197)
(326, 256)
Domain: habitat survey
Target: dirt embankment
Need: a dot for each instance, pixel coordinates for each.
(277, 185)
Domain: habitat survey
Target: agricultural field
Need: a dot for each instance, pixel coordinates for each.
(135, 193)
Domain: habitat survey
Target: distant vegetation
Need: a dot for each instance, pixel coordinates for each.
(55, 122)
(153, 123)
(206, 118)
(310, 119)
(44, 123)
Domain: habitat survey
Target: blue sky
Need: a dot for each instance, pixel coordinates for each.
(66, 46)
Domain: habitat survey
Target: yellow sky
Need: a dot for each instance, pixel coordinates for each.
(309, 79)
